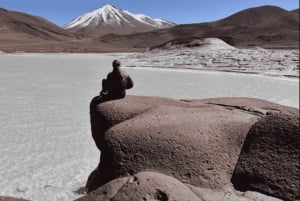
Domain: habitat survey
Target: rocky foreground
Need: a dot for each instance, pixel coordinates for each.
(221, 149)
(213, 149)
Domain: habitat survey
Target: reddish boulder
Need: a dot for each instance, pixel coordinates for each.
(269, 160)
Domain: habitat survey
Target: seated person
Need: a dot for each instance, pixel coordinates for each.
(116, 83)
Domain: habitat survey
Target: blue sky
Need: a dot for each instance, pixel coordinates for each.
(61, 12)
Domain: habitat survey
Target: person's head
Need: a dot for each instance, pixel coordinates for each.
(116, 63)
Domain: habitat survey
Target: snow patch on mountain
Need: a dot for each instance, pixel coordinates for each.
(113, 16)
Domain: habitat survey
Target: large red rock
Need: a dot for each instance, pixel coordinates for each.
(196, 141)
(269, 161)
(143, 186)
(153, 186)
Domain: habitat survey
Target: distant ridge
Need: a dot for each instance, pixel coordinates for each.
(20, 27)
(263, 17)
(110, 19)
(295, 12)
(265, 26)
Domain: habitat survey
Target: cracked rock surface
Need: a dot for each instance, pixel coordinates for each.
(213, 54)
(195, 142)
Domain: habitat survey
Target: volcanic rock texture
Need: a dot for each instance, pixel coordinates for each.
(160, 149)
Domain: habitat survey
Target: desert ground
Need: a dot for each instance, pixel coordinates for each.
(204, 134)
(212, 54)
(53, 107)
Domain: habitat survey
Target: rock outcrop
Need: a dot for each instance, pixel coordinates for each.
(143, 186)
(269, 161)
(197, 142)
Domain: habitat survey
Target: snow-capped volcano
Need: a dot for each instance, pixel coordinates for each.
(110, 19)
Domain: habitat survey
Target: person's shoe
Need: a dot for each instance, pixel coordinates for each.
(103, 93)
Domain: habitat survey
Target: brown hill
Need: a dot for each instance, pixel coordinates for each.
(17, 27)
(295, 12)
(28, 33)
(265, 26)
(265, 16)
(32, 26)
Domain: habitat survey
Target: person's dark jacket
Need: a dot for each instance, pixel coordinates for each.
(116, 83)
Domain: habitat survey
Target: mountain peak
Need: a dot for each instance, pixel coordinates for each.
(110, 19)
(108, 6)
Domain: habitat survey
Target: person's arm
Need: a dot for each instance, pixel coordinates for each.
(129, 84)
(104, 84)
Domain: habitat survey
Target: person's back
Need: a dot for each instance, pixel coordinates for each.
(116, 83)
(113, 87)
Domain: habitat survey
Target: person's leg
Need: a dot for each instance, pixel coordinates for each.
(104, 92)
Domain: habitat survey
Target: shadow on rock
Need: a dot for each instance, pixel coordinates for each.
(269, 160)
